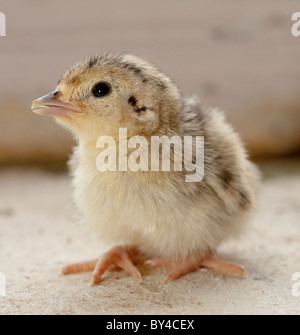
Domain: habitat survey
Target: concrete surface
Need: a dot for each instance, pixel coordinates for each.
(39, 235)
(238, 55)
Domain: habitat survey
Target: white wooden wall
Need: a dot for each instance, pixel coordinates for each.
(238, 55)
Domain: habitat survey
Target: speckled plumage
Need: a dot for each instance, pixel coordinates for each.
(157, 212)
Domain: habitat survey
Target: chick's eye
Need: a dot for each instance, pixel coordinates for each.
(101, 89)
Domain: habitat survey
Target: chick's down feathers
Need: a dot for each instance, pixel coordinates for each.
(158, 212)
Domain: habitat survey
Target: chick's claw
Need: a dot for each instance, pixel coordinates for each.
(120, 256)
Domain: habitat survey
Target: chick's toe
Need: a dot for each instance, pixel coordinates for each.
(120, 257)
(190, 264)
(80, 267)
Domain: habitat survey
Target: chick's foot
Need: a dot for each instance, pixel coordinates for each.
(190, 264)
(120, 256)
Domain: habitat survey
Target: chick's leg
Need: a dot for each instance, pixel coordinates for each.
(120, 256)
(190, 264)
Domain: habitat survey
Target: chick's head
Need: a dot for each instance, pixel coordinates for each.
(104, 93)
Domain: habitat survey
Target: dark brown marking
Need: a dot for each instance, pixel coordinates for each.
(92, 61)
(132, 100)
(136, 70)
(226, 177)
(160, 84)
(133, 68)
(244, 200)
(142, 109)
(75, 80)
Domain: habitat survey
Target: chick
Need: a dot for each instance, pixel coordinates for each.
(156, 217)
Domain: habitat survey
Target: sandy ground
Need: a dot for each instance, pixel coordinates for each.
(38, 235)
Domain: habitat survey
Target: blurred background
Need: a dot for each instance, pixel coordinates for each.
(237, 55)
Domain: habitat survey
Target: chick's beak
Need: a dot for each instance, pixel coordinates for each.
(49, 104)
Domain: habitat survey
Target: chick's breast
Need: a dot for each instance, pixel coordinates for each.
(165, 215)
